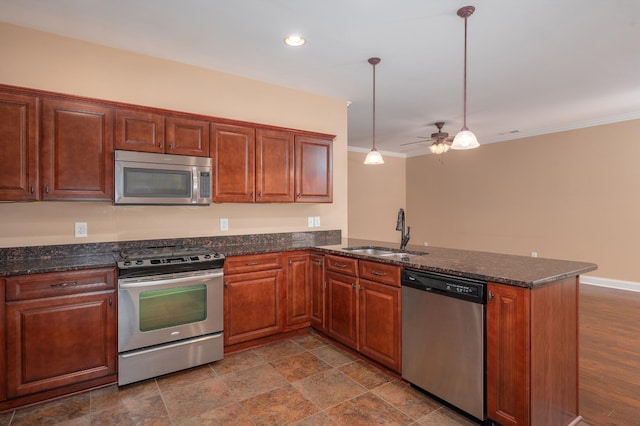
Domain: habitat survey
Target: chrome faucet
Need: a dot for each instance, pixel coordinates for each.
(400, 227)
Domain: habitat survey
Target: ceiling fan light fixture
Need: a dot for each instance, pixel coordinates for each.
(465, 139)
(439, 147)
(374, 157)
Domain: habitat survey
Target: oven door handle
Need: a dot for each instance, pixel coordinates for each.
(137, 282)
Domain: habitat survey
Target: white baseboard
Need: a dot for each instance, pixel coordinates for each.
(610, 283)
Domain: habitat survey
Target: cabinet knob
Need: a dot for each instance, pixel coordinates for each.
(110, 301)
(260, 194)
(172, 146)
(226, 284)
(489, 296)
(298, 195)
(353, 286)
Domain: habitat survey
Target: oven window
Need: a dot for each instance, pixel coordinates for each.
(172, 307)
(157, 183)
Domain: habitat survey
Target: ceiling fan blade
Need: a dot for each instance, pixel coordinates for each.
(415, 142)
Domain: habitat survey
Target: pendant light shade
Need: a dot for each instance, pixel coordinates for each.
(465, 139)
(374, 157)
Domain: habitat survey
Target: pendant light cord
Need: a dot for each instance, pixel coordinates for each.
(464, 124)
(374, 104)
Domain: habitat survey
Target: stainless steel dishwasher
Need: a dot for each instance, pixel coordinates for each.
(443, 338)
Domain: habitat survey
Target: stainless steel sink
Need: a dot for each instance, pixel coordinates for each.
(385, 252)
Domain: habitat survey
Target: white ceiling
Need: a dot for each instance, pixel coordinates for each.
(533, 66)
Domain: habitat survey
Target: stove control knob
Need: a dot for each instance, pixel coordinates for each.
(207, 256)
(216, 255)
(127, 263)
(139, 262)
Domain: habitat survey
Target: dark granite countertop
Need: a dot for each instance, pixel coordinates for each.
(521, 271)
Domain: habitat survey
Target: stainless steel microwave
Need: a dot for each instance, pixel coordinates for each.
(150, 178)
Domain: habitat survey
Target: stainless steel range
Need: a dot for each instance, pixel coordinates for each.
(170, 310)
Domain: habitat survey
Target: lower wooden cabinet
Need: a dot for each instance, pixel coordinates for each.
(363, 308)
(61, 330)
(532, 354)
(298, 297)
(253, 297)
(317, 292)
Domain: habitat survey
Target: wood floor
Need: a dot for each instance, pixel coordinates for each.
(609, 356)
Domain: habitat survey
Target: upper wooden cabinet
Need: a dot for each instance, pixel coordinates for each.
(233, 153)
(314, 170)
(270, 166)
(18, 148)
(76, 151)
(151, 132)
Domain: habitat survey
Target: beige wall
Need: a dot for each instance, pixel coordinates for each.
(375, 195)
(44, 61)
(570, 195)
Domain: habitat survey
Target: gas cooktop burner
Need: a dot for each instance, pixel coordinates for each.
(167, 259)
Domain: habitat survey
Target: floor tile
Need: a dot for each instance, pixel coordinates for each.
(367, 409)
(228, 415)
(253, 381)
(365, 374)
(53, 412)
(299, 366)
(194, 400)
(5, 418)
(278, 407)
(133, 412)
(236, 362)
(445, 417)
(329, 388)
(406, 399)
(113, 395)
(277, 350)
(333, 356)
(309, 341)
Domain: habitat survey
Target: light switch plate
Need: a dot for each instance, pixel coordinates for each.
(81, 230)
(316, 221)
(310, 221)
(224, 224)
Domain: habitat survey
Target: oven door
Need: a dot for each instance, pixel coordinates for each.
(165, 308)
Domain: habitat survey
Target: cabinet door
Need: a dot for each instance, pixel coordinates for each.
(274, 166)
(252, 306)
(18, 148)
(77, 151)
(342, 308)
(508, 354)
(3, 344)
(233, 153)
(60, 341)
(380, 318)
(298, 296)
(314, 170)
(317, 292)
(187, 137)
(139, 131)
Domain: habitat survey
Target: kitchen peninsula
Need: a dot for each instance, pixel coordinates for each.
(531, 321)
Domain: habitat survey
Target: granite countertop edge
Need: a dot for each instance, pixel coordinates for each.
(521, 271)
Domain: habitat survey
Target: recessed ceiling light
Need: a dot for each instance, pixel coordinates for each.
(294, 40)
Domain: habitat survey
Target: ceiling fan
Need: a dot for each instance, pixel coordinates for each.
(440, 141)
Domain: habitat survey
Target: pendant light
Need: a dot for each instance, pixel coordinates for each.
(465, 139)
(374, 157)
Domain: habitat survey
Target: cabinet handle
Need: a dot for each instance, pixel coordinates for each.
(161, 145)
(260, 194)
(317, 262)
(380, 274)
(298, 195)
(46, 189)
(251, 195)
(32, 189)
(291, 262)
(489, 296)
(339, 265)
(251, 263)
(360, 288)
(226, 284)
(172, 146)
(65, 284)
(110, 301)
(353, 286)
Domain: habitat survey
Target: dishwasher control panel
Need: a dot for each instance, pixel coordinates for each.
(462, 288)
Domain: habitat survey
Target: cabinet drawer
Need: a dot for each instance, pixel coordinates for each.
(252, 263)
(380, 272)
(53, 284)
(343, 265)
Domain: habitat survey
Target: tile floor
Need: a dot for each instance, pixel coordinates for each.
(305, 380)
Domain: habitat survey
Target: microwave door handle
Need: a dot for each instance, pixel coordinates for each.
(137, 283)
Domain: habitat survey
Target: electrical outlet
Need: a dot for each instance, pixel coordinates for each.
(534, 254)
(224, 224)
(310, 222)
(316, 221)
(81, 230)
